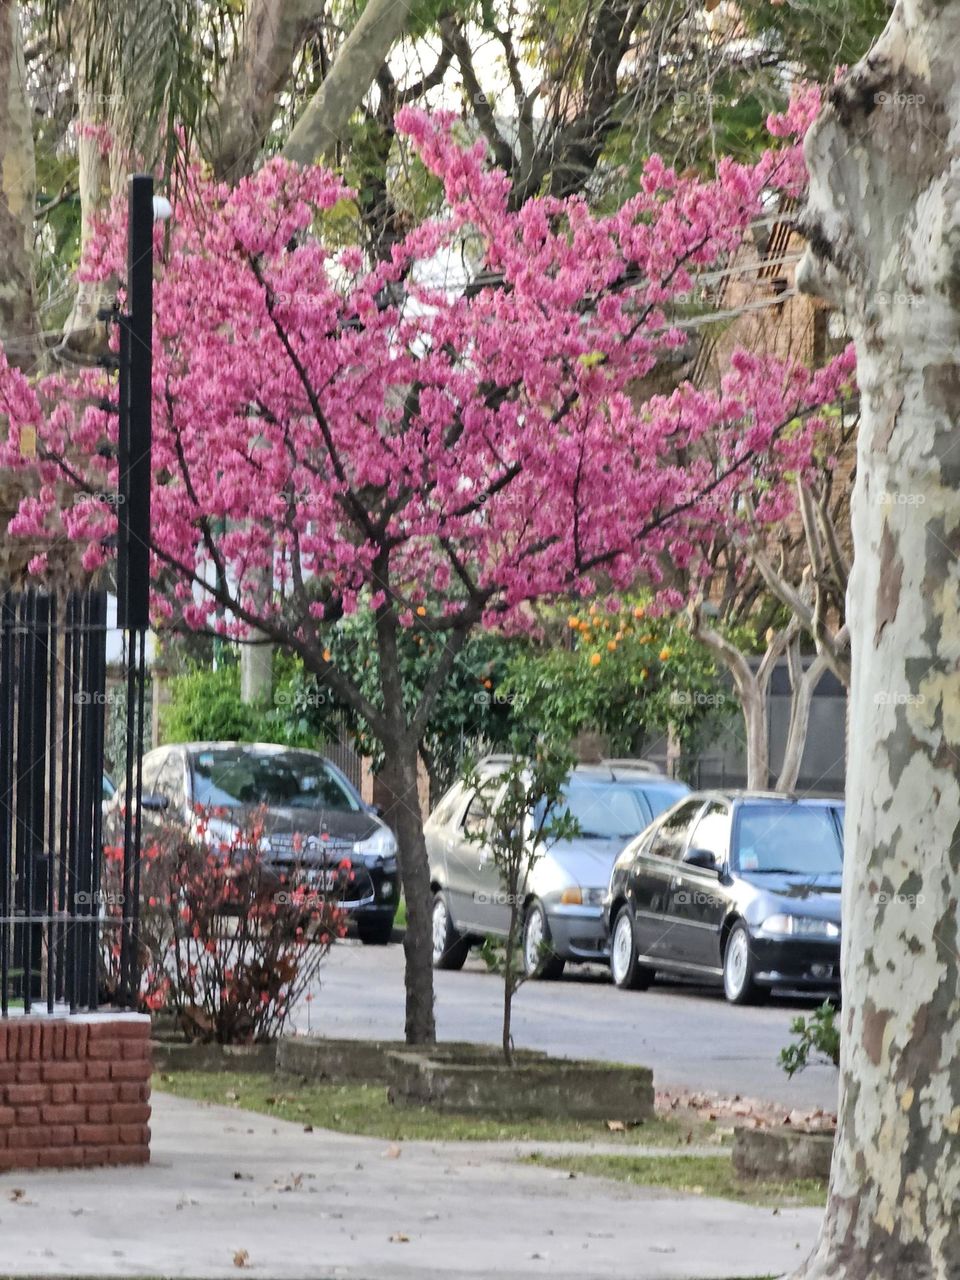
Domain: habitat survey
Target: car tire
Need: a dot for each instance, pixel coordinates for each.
(450, 947)
(627, 972)
(739, 967)
(536, 936)
(375, 933)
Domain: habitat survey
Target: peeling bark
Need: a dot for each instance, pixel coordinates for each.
(884, 225)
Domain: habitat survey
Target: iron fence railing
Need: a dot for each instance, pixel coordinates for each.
(52, 701)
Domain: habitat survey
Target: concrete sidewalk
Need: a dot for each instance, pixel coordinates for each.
(229, 1191)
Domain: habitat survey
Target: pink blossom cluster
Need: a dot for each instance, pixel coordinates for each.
(375, 434)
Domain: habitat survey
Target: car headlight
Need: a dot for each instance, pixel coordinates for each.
(378, 846)
(576, 896)
(800, 927)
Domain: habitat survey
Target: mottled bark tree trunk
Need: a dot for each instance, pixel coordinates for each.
(883, 224)
(18, 328)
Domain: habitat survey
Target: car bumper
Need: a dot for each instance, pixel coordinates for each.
(793, 962)
(370, 893)
(578, 933)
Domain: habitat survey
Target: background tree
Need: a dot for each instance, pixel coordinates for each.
(386, 446)
(882, 221)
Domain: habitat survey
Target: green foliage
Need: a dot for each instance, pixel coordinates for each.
(524, 818)
(818, 1034)
(205, 706)
(625, 675)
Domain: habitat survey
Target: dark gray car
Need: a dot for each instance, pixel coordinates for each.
(563, 906)
(312, 815)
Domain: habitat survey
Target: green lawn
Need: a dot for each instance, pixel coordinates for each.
(364, 1109)
(695, 1175)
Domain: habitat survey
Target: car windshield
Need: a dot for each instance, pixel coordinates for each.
(661, 795)
(231, 776)
(603, 810)
(797, 838)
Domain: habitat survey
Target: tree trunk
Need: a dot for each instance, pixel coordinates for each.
(803, 685)
(400, 771)
(18, 328)
(509, 982)
(256, 673)
(883, 223)
(324, 121)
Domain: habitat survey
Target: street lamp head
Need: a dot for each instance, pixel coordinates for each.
(162, 209)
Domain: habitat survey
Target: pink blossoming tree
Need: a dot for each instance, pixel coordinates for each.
(441, 456)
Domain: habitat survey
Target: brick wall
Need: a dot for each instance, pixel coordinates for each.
(74, 1091)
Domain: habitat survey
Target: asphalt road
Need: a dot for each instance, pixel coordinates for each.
(689, 1035)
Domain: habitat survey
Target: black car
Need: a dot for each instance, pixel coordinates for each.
(737, 887)
(313, 817)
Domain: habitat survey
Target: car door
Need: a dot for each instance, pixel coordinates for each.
(481, 899)
(171, 784)
(655, 869)
(698, 901)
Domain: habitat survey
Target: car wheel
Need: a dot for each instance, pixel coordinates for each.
(375, 933)
(539, 960)
(738, 968)
(450, 947)
(626, 971)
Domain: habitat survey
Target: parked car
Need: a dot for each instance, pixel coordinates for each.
(562, 911)
(736, 887)
(313, 816)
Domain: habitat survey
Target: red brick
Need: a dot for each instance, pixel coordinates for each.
(59, 1041)
(94, 1155)
(60, 1157)
(104, 1050)
(135, 1135)
(26, 1095)
(130, 1071)
(15, 1158)
(71, 1113)
(32, 1139)
(62, 1072)
(135, 1050)
(100, 1114)
(128, 1029)
(133, 1092)
(101, 1135)
(4, 1033)
(28, 1116)
(47, 1034)
(7, 1116)
(127, 1155)
(23, 1041)
(95, 1093)
(28, 1072)
(96, 1070)
(126, 1113)
(8, 1072)
(78, 1035)
(61, 1135)
(60, 1093)
(36, 1042)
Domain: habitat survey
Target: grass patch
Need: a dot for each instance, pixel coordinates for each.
(694, 1175)
(364, 1109)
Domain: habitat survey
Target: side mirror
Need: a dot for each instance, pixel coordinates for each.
(375, 809)
(153, 801)
(703, 859)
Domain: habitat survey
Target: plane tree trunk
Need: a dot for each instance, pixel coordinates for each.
(883, 224)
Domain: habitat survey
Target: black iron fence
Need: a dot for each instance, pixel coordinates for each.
(52, 704)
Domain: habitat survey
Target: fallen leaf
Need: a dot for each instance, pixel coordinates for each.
(399, 1238)
(616, 1126)
(17, 1194)
(308, 1128)
(391, 1152)
(241, 1258)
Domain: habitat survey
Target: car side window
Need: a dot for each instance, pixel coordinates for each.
(671, 838)
(443, 814)
(712, 831)
(150, 772)
(477, 815)
(170, 782)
